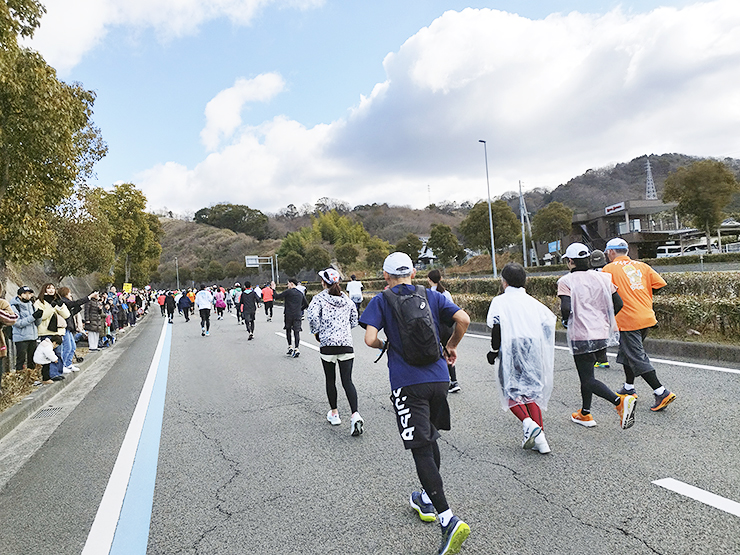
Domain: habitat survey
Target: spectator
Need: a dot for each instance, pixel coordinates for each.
(68, 339)
(54, 314)
(93, 322)
(7, 318)
(46, 354)
(25, 332)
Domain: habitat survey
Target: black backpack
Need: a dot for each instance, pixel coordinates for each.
(419, 338)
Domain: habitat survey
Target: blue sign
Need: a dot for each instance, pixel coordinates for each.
(554, 246)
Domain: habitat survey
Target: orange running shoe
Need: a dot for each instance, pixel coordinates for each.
(662, 401)
(583, 419)
(626, 410)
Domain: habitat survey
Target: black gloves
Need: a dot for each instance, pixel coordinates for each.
(58, 302)
(38, 314)
(491, 356)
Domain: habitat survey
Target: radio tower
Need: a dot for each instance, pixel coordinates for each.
(650, 192)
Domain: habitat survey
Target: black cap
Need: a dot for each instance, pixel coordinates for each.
(24, 289)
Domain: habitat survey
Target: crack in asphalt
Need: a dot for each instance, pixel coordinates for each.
(547, 500)
(236, 472)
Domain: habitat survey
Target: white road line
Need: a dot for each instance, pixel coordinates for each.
(100, 539)
(703, 496)
(282, 334)
(658, 360)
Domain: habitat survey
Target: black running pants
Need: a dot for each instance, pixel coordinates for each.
(24, 353)
(427, 461)
(590, 386)
(205, 318)
(345, 373)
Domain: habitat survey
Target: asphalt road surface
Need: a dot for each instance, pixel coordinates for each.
(247, 462)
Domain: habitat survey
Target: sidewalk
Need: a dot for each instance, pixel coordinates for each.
(43, 394)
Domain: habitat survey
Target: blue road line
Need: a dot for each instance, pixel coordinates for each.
(132, 532)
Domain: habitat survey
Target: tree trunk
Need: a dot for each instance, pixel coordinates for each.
(709, 241)
(128, 269)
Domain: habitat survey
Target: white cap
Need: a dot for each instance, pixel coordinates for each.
(577, 250)
(330, 276)
(398, 264)
(617, 244)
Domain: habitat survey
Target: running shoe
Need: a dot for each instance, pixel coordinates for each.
(208, 333)
(662, 401)
(203, 332)
(583, 419)
(626, 411)
(540, 444)
(453, 536)
(424, 510)
(624, 391)
(531, 431)
(296, 353)
(251, 336)
(290, 351)
(67, 370)
(357, 424)
(333, 419)
(454, 387)
(601, 365)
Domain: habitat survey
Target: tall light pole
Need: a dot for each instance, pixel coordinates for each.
(490, 213)
(177, 272)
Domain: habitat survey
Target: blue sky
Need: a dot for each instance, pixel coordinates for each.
(270, 102)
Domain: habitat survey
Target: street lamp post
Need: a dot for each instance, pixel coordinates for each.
(490, 213)
(177, 272)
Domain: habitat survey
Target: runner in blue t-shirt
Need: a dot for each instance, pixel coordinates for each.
(419, 393)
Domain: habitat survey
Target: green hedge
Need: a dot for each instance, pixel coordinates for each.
(692, 259)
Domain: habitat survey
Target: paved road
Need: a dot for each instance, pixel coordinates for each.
(248, 464)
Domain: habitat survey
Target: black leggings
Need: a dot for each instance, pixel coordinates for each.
(590, 386)
(268, 308)
(345, 372)
(296, 334)
(220, 311)
(24, 353)
(427, 461)
(205, 318)
(650, 377)
(249, 321)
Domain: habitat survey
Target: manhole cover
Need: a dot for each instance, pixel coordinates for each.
(46, 413)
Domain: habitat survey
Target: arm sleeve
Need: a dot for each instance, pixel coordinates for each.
(617, 301)
(565, 306)
(496, 337)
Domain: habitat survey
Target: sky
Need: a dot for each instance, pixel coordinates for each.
(276, 102)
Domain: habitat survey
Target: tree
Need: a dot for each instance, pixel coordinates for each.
(291, 263)
(475, 228)
(236, 217)
(346, 254)
(135, 234)
(411, 245)
(317, 258)
(443, 243)
(552, 222)
(83, 237)
(702, 190)
(232, 269)
(215, 271)
(48, 142)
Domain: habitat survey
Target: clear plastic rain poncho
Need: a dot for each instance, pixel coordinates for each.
(527, 354)
(591, 324)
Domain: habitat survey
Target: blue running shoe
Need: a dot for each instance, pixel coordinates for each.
(424, 510)
(453, 536)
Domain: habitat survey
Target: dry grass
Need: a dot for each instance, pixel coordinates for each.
(17, 385)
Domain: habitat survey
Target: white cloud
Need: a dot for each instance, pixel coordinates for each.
(71, 28)
(223, 113)
(552, 97)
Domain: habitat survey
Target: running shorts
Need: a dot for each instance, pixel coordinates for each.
(421, 410)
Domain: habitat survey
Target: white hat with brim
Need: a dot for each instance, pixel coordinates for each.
(398, 264)
(617, 244)
(577, 250)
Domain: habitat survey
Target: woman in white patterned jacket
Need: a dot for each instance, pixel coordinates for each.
(331, 317)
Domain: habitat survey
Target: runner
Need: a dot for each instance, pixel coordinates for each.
(331, 317)
(184, 306)
(523, 334)
(419, 390)
(236, 294)
(204, 303)
(220, 300)
(160, 300)
(434, 279)
(294, 305)
(598, 261)
(589, 301)
(248, 307)
(637, 281)
(170, 304)
(354, 290)
(267, 298)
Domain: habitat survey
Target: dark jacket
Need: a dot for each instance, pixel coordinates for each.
(248, 301)
(169, 303)
(74, 308)
(184, 303)
(93, 313)
(295, 302)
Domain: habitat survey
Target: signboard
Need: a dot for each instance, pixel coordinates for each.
(252, 261)
(614, 208)
(554, 246)
(127, 287)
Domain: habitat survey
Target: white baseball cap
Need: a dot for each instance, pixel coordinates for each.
(617, 244)
(330, 276)
(577, 250)
(398, 264)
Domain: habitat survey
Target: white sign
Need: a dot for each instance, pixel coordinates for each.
(614, 208)
(252, 261)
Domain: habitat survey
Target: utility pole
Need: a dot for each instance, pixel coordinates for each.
(177, 272)
(490, 213)
(521, 215)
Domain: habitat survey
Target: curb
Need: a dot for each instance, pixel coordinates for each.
(43, 394)
(694, 352)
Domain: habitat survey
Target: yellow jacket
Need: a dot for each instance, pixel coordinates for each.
(61, 313)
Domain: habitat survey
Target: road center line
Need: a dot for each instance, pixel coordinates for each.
(703, 496)
(659, 360)
(118, 498)
(282, 334)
